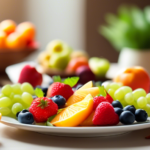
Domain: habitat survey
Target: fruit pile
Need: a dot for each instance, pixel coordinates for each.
(138, 97)
(60, 58)
(14, 98)
(67, 105)
(15, 37)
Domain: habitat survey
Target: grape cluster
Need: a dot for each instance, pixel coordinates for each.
(14, 98)
(139, 98)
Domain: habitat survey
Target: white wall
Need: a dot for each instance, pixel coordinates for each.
(54, 19)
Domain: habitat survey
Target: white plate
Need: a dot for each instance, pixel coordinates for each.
(77, 131)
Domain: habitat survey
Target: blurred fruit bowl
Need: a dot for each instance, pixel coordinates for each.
(8, 57)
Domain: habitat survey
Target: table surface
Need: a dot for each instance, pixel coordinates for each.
(16, 139)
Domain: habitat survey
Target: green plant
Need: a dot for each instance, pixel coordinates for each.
(129, 28)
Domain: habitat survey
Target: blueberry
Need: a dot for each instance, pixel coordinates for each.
(140, 115)
(118, 110)
(127, 117)
(25, 117)
(51, 82)
(44, 89)
(59, 100)
(130, 108)
(34, 96)
(79, 86)
(116, 103)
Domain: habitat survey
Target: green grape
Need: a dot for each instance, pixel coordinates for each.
(148, 98)
(141, 102)
(126, 89)
(129, 98)
(115, 86)
(5, 111)
(5, 102)
(136, 105)
(106, 85)
(17, 99)
(119, 94)
(27, 98)
(16, 88)
(11, 96)
(139, 93)
(111, 92)
(6, 90)
(27, 87)
(16, 108)
(1, 95)
(147, 109)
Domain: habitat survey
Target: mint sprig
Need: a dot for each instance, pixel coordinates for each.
(57, 79)
(71, 81)
(39, 92)
(102, 91)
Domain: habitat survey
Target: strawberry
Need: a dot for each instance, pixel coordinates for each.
(62, 88)
(105, 115)
(97, 100)
(42, 108)
(58, 88)
(31, 75)
(109, 98)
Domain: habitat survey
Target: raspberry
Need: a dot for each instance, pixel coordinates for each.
(58, 88)
(42, 108)
(105, 115)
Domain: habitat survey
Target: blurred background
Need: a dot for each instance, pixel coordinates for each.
(75, 22)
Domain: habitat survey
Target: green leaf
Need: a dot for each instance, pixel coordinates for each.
(39, 92)
(51, 118)
(102, 91)
(49, 124)
(71, 81)
(57, 79)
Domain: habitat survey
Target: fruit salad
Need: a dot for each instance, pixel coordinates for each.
(66, 104)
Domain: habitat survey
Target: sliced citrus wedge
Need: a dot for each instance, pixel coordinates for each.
(86, 86)
(74, 114)
(79, 95)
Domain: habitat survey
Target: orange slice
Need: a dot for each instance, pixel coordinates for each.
(80, 94)
(88, 120)
(75, 114)
(0, 116)
(87, 85)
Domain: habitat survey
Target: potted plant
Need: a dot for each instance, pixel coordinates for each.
(129, 33)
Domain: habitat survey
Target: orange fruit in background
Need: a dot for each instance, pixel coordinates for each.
(8, 26)
(15, 42)
(0, 116)
(135, 77)
(75, 114)
(3, 37)
(27, 30)
(77, 62)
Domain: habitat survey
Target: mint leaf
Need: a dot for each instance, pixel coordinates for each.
(102, 91)
(39, 92)
(71, 81)
(51, 118)
(49, 124)
(57, 79)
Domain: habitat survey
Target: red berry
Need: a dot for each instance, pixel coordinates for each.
(42, 108)
(58, 88)
(97, 100)
(109, 98)
(105, 115)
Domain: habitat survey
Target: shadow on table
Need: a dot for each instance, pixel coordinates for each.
(129, 140)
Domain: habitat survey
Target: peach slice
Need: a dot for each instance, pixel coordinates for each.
(75, 114)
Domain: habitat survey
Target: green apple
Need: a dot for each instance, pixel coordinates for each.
(60, 54)
(99, 66)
